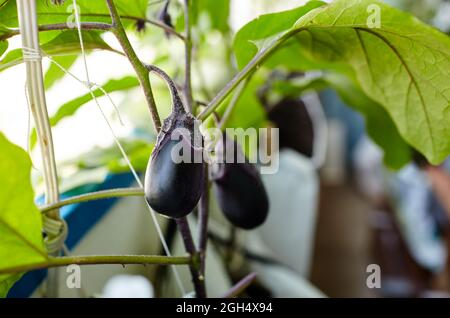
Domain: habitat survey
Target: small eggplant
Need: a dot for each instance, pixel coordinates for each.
(238, 186)
(165, 17)
(295, 125)
(173, 187)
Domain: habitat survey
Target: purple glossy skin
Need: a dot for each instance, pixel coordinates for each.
(242, 197)
(174, 189)
(241, 194)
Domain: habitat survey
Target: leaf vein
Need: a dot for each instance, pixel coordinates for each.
(13, 230)
(412, 78)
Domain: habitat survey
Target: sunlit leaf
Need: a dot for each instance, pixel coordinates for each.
(69, 108)
(138, 151)
(21, 240)
(404, 65)
(67, 42)
(3, 47)
(90, 11)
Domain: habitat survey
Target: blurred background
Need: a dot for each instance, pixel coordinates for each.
(336, 207)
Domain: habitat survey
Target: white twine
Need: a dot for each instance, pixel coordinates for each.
(29, 54)
(56, 231)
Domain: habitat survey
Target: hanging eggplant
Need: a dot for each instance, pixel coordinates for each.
(238, 186)
(173, 187)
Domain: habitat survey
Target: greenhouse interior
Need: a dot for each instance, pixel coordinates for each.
(224, 149)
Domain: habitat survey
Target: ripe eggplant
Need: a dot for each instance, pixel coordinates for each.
(295, 126)
(173, 188)
(238, 186)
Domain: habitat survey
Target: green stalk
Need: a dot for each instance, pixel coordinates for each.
(141, 71)
(249, 69)
(105, 194)
(100, 260)
(188, 59)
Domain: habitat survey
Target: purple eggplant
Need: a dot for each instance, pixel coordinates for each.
(173, 188)
(238, 186)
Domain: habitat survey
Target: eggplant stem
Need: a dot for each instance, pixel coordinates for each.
(178, 106)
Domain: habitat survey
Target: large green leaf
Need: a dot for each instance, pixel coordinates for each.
(67, 42)
(379, 124)
(404, 65)
(20, 221)
(267, 27)
(6, 282)
(69, 108)
(248, 111)
(90, 11)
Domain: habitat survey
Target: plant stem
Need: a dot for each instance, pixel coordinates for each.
(100, 259)
(158, 24)
(94, 26)
(105, 194)
(237, 289)
(84, 26)
(197, 277)
(35, 88)
(203, 214)
(237, 95)
(59, 26)
(177, 104)
(251, 67)
(141, 71)
(231, 85)
(186, 235)
(183, 225)
(188, 58)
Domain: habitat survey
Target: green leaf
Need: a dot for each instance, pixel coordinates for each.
(404, 65)
(248, 112)
(217, 11)
(90, 11)
(21, 240)
(266, 26)
(67, 42)
(379, 124)
(138, 151)
(54, 73)
(6, 282)
(113, 85)
(69, 108)
(3, 47)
